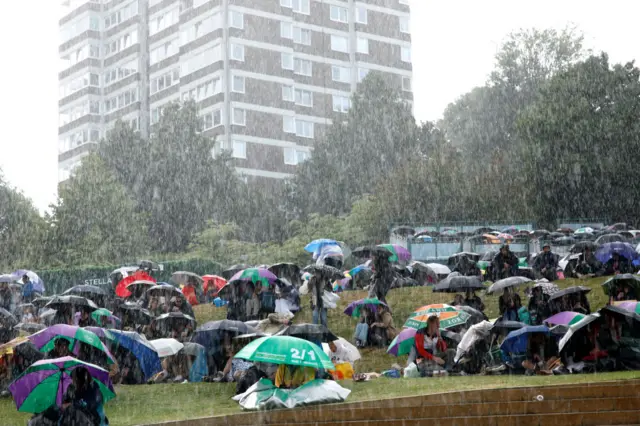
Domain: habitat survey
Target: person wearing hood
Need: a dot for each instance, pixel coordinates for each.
(509, 304)
(473, 300)
(546, 264)
(467, 267)
(330, 255)
(587, 264)
(617, 265)
(505, 263)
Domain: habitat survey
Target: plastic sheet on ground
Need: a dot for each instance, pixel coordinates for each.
(265, 396)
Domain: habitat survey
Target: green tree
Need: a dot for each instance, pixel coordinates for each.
(95, 220)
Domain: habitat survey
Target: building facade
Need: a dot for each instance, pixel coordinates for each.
(268, 76)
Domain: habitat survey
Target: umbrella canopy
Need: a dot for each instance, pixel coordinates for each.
(144, 351)
(399, 253)
(505, 327)
(212, 331)
(29, 327)
(231, 271)
(133, 312)
(324, 271)
(213, 282)
(459, 283)
(45, 382)
(621, 314)
(581, 246)
(439, 268)
(609, 238)
(517, 341)
(367, 252)
(454, 258)
(350, 352)
(569, 290)
(449, 316)
(506, 283)
(61, 302)
(86, 291)
(619, 281)
(629, 305)
(38, 284)
(286, 350)
(547, 287)
(565, 318)
(315, 245)
(174, 318)
(41, 302)
(576, 328)
(403, 342)
(353, 309)
(256, 276)
(584, 230)
(7, 278)
(183, 277)
(7, 317)
(606, 251)
(121, 288)
(102, 314)
(104, 334)
(166, 347)
(166, 290)
(45, 339)
(290, 271)
(311, 332)
(403, 230)
(140, 284)
(21, 346)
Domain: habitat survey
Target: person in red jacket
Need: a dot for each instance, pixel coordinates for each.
(430, 350)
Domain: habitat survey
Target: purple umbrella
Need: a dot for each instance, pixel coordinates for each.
(564, 318)
(402, 254)
(403, 342)
(605, 252)
(353, 310)
(45, 382)
(45, 340)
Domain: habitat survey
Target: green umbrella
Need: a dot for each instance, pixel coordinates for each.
(286, 350)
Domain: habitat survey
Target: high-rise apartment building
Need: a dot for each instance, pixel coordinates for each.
(268, 76)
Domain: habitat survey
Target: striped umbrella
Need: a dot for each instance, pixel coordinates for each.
(449, 316)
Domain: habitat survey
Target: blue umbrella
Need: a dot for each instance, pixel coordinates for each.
(605, 252)
(38, 284)
(517, 341)
(315, 245)
(144, 351)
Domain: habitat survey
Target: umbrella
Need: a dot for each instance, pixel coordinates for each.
(575, 328)
(175, 317)
(352, 354)
(7, 317)
(311, 332)
(45, 382)
(144, 352)
(370, 251)
(41, 302)
(476, 332)
(315, 245)
(121, 288)
(124, 271)
(403, 342)
(255, 276)
(517, 341)
(353, 309)
(286, 350)
(400, 254)
(565, 318)
(38, 284)
(166, 347)
(619, 281)
(629, 305)
(422, 272)
(45, 339)
(140, 285)
(506, 283)
(609, 238)
(459, 283)
(581, 246)
(289, 271)
(60, 302)
(104, 334)
(214, 281)
(453, 259)
(166, 290)
(183, 277)
(505, 236)
(29, 327)
(23, 347)
(622, 314)
(101, 313)
(584, 230)
(547, 287)
(439, 268)
(227, 274)
(403, 230)
(340, 285)
(449, 316)
(325, 271)
(7, 278)
(605, 251)
(569, 290)
(86, 291)
(507, 326)
(212, 331)
(476, 315)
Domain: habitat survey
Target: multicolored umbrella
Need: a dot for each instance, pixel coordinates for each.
(565, 318)
(315, 245)
(399, 253)
(585, 230)
(286, 350)
(105, 317)
(353, 309)
(45, 382)
(255, 276)
(403, 342)
(340, 285)
(121, 288)
(449, 316)
(45, 340)
(629, 305)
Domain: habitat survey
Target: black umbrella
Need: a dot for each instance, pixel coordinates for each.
(505, 327)
(621, 280)
(311, 332)
(483, 230)
(289, 271)
(132, 312)
(581, 246)
(489, 255)
(192, 349)
(324, 271)
(230, 272)
(41, 302)
(476, 315)
(212, 331)
(171, 318)
(506, 283)
(165, 290)
(30, 327)
(458, 283)
(622, 314)
(370, 251)
(7, 317)
(403, 230)
(610, 238)
(570, 290)
(60, 302)
(454, 258)
(86, 291)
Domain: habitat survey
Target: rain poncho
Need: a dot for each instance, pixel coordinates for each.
(327, 251)
(199, 368)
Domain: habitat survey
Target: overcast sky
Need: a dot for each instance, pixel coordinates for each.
(453, 46)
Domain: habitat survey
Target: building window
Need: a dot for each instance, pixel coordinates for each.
(287, 93)
(238, 84)
(164, 21)
(286, 30)
(200, 28)
(341, 103)
(121, 43)
(341, 74)
(406, 83)
(119, 101)
(361, 15)
(212, 119)
(294, 156)
(340, 44)
(362, 73)
(119, 72)
(302, 67)
(300, 6)
(304, 97)
(405, 54)
(363, 45)
(287, 61)
(163, 52)
(201, 60)
(165, 81)
(204, 90)
(304, 129)
(239, 149)
(404, 24)
(302, 36)
(339, 14)
(286, 3)
(288, 124)
(237, 52)
(236, 19)
(239, 117)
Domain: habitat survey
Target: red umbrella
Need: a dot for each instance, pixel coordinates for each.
(213, 280)
(121, 288)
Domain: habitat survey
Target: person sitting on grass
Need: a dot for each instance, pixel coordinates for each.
(292, 376)
(542, 352)
(382, 330)
(83, 400)
(429, 351)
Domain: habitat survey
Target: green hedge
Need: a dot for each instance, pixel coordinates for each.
(57, 281)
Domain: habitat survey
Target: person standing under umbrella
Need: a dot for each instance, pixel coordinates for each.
(382, 278)
(316, 288)
(27, 289)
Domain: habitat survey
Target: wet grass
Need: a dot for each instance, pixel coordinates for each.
(148, 404)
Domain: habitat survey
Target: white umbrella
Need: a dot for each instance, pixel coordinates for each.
(182, 277)
(439, 269)
(347, 350)
(166, 347)
(475, 333)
